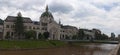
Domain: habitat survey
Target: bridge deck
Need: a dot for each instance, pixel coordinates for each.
(94, 41)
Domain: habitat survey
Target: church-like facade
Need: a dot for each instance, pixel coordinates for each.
(57, 31)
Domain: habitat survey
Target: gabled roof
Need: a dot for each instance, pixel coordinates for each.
(36, 22)
(86, 30)
(68, 27)
(13, 18)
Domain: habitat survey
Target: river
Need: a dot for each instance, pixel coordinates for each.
(86, 49)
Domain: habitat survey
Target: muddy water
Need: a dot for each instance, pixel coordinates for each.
(90, 49)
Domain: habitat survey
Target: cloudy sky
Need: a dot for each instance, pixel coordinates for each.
(100, 14)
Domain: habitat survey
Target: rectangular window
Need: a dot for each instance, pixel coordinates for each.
(29, 27)
(12, 33)
(33, 27)
(25, 27)
(7, 26)
(8, 34)
(42, 28)
(12, 26)
(45, 28)
(37, 27)
(44, 24)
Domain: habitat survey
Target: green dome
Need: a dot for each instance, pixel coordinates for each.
(47, 14)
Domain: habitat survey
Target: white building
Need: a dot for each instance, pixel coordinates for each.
(1, 28)
(47, 23)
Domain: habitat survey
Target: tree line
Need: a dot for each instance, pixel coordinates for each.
(97, 36)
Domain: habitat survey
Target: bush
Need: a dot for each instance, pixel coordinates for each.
(30, 34)
(46, 35)
(41, 36)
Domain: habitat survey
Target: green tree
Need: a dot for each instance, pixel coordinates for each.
(74, 37)
(98, 36)
(104, 37)
(7, 36)
(46, 35)
(41, 36)
(67, 37)
(30, 34)
(19, 26)
(101, 37)
(80, 34)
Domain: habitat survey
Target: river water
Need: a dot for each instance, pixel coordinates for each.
(95, 49)
(86, 49)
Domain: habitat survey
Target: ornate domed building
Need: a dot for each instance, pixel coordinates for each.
(47, 24)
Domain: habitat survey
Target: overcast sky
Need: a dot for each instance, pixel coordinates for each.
(100, 14)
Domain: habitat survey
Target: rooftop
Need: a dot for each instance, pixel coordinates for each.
(13, 18)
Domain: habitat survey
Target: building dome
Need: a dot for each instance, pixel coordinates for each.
(19, 14)
(47, 13)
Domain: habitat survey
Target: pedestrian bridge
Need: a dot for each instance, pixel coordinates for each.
(92, 41)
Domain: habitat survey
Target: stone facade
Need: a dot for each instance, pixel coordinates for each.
(9, 25)
(1, 31)
(47, 23)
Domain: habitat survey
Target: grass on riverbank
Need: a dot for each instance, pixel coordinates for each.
(20, 44)
(6, 44)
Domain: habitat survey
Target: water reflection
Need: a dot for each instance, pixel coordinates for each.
(93, 49)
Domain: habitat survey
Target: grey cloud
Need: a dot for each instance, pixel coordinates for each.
(28, 6)
(60, 7)
(22, 4)
(82, 13)
(106, 7)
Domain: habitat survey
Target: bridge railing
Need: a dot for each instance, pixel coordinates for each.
(93, 41)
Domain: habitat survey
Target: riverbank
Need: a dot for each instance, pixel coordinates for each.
(29, 44)
(82, 49)
(35, 44)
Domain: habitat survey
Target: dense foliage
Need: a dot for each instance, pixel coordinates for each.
(19, 26)
(30, 34)
(46, 35)
(98, 36)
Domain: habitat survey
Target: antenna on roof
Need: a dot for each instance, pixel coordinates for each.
(47, 8)
(59, 21)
